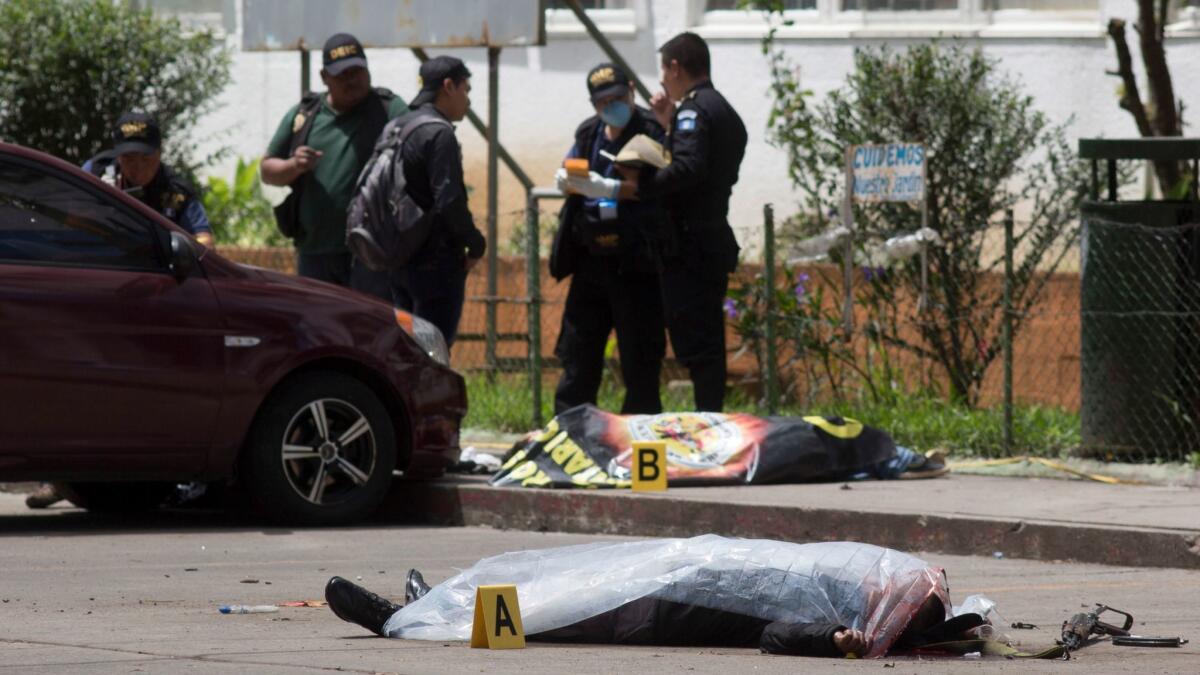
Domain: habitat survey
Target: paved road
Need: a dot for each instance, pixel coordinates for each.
(85, 594)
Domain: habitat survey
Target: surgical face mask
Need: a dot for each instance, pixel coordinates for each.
(616, 114)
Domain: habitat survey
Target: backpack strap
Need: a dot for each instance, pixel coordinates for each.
(302, 123)
(417, 123)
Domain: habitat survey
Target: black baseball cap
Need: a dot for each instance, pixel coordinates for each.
(605, 80)
(342, 51)
(433, 73)
(136, 132)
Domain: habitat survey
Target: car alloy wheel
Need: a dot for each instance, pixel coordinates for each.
(329, 451)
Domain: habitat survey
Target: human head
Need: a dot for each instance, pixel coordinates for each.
(611, 95)
(344, 71)
(446, 83)
(137, 143)
(685, 62)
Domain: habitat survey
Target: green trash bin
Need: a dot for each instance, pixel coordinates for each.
(1140, 312)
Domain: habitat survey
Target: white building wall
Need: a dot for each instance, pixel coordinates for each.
(1062, 63)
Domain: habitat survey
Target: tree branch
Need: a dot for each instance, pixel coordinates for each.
(1131, 98)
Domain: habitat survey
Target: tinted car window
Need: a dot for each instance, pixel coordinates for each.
(45, 219)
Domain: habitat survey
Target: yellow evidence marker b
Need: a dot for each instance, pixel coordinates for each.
(497, 622)
(649, 466)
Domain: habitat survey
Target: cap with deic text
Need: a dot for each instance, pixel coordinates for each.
(136, 132)
(342, 51)
(606, 80)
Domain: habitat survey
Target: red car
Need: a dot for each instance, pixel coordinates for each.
(132, 359)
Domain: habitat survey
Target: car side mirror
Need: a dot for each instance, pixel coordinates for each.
(183, 257)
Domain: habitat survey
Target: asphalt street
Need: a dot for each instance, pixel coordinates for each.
(81, 593)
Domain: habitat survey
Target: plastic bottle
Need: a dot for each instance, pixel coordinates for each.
(247, 609)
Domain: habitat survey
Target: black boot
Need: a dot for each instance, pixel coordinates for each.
(353, 603)
(415, 587)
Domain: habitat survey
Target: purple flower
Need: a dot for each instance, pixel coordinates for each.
(800, 289)
(731, 310)
(874, 274)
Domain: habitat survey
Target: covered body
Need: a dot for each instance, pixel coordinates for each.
(860, 586)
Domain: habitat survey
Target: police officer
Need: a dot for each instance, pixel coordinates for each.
(707, 141)
(134, 164)
(609, 235)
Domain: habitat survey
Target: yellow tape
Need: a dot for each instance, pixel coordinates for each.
(1057, 466)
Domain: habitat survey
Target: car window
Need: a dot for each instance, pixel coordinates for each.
(46, 219)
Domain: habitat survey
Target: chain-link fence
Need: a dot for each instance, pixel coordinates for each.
(1140, 339)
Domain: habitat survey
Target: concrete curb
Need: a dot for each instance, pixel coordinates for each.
(619, 513)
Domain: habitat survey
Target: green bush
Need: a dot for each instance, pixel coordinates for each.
(240, 214)
(69, 68)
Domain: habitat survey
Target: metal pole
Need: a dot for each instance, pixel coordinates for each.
(1007, 335)
(492, 201)
(482, 128)
(305, 70)
(769, 370)
(848, 253)
(605, 45)
(533, 265)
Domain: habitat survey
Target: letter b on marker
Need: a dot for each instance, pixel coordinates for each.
(649, 468)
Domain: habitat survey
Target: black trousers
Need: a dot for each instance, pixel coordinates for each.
(694, 282)
(602, 297)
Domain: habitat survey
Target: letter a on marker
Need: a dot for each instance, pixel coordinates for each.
(649, 466)
(497, 623)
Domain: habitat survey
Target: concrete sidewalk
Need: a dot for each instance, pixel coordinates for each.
(1040, 519)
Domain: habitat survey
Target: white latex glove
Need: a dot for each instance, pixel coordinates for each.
(594, 186)
(560, 179)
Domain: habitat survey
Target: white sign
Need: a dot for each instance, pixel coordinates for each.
(887, 173)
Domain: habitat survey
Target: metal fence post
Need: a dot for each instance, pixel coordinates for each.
(1007, 332)
(533, 269)
(492, 201)
(770, 369)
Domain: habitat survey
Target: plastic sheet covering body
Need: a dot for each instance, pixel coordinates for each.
(587, 447)
(865, 587)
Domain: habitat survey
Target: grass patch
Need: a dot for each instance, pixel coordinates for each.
(920, 421)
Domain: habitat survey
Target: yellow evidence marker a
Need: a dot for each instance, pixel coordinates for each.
(649, 466)
(497, 622)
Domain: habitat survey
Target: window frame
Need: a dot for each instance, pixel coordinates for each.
(972, 18)
(159, 235)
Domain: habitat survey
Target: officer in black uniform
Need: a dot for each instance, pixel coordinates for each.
(707, 141)
(134, 164)
(604, 241)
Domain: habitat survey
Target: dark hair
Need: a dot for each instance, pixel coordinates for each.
(690, 51)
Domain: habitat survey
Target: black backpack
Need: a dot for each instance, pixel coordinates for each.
(385, 227)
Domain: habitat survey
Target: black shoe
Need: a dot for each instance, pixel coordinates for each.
(353, 603)
(415, 587)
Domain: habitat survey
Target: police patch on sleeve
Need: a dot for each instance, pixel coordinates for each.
(686, 120)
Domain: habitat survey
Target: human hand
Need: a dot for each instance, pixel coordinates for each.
(560, 180)
(663, 108)
(594, 186)
(850, 641)
(305, 159)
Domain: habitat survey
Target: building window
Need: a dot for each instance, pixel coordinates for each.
(725, 5)
(899, 5)
(1043, 5)
(589, 4)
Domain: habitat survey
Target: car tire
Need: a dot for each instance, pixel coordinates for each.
(321, 452)
(116, 497)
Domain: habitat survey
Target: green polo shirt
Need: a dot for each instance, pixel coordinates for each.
(328, 188)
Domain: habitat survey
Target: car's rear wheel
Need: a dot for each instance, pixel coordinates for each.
(322, 451)
(116, 497)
